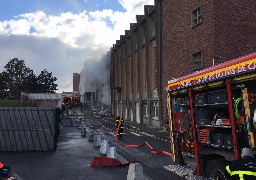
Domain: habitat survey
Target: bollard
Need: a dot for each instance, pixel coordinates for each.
(97, 140)
(88, 131)
(83, 132)
(90, 134)
(135, 172)
(104, 147)
(112, 152)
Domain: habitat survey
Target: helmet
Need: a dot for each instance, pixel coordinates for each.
(246, 152)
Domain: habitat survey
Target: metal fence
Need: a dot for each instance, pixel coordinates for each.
(29, 128)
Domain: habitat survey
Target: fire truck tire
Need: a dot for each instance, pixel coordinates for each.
(216, 169)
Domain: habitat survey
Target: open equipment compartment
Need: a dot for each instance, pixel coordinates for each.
(212, 115)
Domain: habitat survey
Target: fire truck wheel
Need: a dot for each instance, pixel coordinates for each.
(216, 169)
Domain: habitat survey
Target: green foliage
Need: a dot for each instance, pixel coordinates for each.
(46, 82)
(9, 103)
(17, 74)
(17, 78)
(4, 85)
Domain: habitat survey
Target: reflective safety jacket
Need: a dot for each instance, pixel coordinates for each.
(121, 128)
(243, 169)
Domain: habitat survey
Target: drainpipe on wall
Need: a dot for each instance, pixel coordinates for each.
(159, 55)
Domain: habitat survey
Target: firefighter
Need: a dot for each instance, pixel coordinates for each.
(121, 128)
(244, 168)
(4, 170)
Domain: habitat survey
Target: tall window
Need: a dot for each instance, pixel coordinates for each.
(145, 109)
(197, 16)
(197, 60)
(155, 109)
(153, 28)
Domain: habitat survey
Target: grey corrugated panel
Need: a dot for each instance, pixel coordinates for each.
(44, 96)
(30, 140)
(27, 129)
(44, 124)
(7, 140)
(2, 141)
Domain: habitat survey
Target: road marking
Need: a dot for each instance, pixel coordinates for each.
(150, 135)
(113, 134)
(136, 134)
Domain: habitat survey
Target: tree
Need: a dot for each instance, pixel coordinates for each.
(31, 85)
(4, 85)
(17, 74)
(17, 78)
(46, 82)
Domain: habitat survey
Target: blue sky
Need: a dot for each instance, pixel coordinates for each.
(11, 8)
(60, 35)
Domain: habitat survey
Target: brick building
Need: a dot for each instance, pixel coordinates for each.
(173, 39)
(198, 34)
(134, 65)
(76, 81)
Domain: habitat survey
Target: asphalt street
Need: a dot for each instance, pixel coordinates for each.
(74, 153)
(136, 135)
(70, 161)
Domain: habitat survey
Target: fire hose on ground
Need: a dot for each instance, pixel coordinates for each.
(135, 145)
(111, 162)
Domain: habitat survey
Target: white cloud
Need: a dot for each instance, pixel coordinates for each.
(61, 43)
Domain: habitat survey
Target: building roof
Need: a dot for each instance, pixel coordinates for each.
(44, 96)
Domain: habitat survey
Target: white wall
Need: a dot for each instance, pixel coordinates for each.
(82, 81)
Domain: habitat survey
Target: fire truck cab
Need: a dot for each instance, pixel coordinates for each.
(212, 115)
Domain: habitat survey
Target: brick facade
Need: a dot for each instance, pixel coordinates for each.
(161, 44)
(226, 31)
(76, 81)
(134, 66)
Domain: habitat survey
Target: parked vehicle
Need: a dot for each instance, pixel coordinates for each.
(213, 115)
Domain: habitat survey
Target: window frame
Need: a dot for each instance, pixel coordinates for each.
(196, 16)
(155, 108)
(145, 109)
(197, 60)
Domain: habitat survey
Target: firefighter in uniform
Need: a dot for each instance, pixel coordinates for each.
(121, 128)
(4, 171)
(244, 168)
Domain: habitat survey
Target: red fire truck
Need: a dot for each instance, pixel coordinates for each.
(72, 100)
(212, 115)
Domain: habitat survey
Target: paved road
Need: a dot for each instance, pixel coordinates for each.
(74, 153)
(152, 164)
(69, 162)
